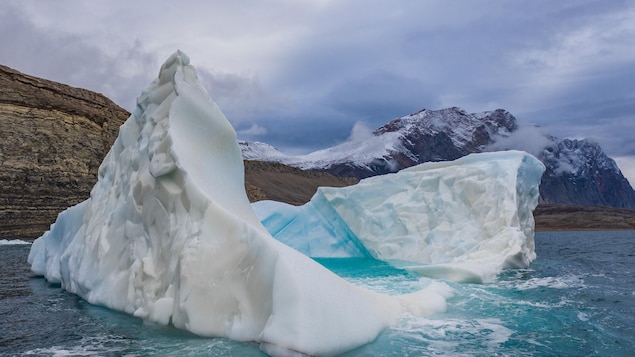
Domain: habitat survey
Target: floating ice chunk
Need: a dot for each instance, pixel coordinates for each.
(13, 242)
(168, 235)
(462, 220)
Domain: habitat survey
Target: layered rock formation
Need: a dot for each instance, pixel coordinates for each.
(53, 138)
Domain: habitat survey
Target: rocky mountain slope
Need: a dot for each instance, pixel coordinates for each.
(53, 138)
(279, 182)
(578, 171)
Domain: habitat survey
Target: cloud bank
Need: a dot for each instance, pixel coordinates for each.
(299, 75)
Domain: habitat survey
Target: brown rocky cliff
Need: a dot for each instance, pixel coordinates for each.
(53, 138)
(278, 182)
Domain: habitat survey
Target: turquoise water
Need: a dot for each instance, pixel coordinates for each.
(577, 299)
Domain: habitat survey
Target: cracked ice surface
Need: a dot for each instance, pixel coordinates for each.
(462, 220)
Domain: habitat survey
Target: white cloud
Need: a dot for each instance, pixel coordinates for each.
(360, 132)
(580, 50)
(627, 166)
(254, 130)
(527, 138)
(241, 96)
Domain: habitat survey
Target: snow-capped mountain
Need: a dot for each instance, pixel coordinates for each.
(578, 171)
(255, 150)
(427, 135)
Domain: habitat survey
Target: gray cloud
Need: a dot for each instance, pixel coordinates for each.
(378, 96)
(303, 74)
(529, 58)
(241, 96)
(74, 59)
(602, 109)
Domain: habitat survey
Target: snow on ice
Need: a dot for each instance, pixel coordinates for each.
(463, 220)
(168, 235)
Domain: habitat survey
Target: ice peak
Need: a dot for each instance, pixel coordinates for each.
(177, 59)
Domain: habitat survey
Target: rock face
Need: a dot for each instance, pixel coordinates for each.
(53, 138)
(580, 173)
(279, 182)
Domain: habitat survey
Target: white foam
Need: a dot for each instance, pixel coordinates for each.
(88, 346)
(446, 336)
(559, 282)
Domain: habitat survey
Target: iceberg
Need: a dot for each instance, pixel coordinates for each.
(169, 235)
(462, 220)
(12, 242)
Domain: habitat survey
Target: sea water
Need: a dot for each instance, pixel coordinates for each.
(576, 299)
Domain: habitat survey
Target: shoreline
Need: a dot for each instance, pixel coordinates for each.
(547, 217)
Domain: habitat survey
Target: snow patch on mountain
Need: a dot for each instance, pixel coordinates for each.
(358, 150)
(256, 150)
(361, 153)
(572, 156)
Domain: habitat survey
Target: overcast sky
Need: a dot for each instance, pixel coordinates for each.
(299, 74)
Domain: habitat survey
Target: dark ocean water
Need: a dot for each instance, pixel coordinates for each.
(577, 299)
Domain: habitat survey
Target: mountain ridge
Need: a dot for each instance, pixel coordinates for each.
(53, 138)
(578, 171)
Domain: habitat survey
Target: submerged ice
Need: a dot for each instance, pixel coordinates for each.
(168, 235)
(463, 220)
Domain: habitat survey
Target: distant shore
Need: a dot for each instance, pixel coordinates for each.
(550, 217)
(568, 218)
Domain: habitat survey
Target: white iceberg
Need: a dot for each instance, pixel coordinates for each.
(13, 242)
(168, 235)
(463, 220)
